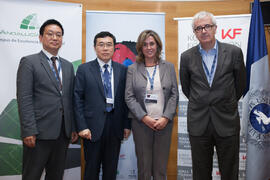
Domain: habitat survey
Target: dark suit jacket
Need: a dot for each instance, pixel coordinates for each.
(90, 100)
(218, 103)
(41, 105)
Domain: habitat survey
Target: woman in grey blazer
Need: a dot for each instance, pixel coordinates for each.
(152, 96)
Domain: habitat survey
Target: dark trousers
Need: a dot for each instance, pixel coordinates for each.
(47, 154)
(202, 149)
(104, 153)
(152, 150)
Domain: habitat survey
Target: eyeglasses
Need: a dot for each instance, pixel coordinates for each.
(207, 27)
(51, 34)
(103, 45)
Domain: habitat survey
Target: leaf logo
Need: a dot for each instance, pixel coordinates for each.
(30, 22)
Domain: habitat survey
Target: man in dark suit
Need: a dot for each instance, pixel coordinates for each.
(101, 112)
(213, 79)
(44, 95)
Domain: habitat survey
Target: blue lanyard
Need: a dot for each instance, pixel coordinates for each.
(151, 79)
(210, 75)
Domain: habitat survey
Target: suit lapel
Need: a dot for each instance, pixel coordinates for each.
(64, 70)
(220, 61)
(198, 59)
(116, 76)
(95, 68)
(44, 62)
(142, 70)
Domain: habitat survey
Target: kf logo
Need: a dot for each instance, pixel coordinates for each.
(231, 33)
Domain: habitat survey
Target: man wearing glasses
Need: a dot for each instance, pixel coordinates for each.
(44, 94)
(100, 108)
(212, 76)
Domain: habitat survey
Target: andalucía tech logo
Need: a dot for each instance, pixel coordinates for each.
(26, 28)
(260, 118)
(30, 22)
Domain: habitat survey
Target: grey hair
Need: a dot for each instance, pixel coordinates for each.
(203, 14)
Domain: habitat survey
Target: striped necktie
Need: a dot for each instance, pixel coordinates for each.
(54, 59)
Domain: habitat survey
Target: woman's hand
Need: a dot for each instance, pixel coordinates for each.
(150, 122)
(161, 123)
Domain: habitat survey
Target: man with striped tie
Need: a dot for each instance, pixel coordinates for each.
(44, 94)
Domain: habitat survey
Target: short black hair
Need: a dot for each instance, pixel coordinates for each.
(104, 34)
(49, 22)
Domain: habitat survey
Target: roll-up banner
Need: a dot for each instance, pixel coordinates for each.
(231, 29)
(19, 36)
(126, 27)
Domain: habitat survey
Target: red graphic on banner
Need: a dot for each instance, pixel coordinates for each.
(123, 53)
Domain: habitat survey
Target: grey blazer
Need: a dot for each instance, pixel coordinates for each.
(136, 83)
(40, 103)
(218, 103)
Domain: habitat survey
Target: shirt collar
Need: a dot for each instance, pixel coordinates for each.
(49, 55)
(214, 49)
(101, 63)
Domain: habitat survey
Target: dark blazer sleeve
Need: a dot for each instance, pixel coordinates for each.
(74, 127)
(184, 75)
(25, 87)
(239, 73)
(127, 120)
(79, 88)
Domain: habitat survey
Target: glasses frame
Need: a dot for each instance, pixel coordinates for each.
(52, 34)
(103, 45)
(206, 27)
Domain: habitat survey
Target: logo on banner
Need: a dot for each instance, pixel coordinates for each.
(231, 33)
(259, 119)
(26, 28)
(30, 22)
(122, 156)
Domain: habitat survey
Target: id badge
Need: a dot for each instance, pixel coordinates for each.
(151, 98)
(109, 101)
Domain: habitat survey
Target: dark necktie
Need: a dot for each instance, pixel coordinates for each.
(107, 87)
(56, 71)
(107, 82)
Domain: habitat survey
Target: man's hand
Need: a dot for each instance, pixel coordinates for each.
(161, 123)
(86, 133)
(150, 122)
(30, 141)
(126, 133)
(74, 137)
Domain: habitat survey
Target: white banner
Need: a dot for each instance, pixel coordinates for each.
(19, 30)
(126, 27)
(233, 29)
